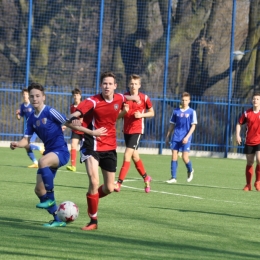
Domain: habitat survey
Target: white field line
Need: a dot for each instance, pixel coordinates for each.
(168, 193)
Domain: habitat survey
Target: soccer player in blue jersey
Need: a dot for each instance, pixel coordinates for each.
(47, 123)
(25, 110)
(182, 124)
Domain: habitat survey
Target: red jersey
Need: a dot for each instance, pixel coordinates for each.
(252, 121)
(73, 109)
(101, 113)
(134, 125)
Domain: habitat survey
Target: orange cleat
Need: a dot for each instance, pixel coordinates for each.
(247, 187)
(34, 165)
(90, 226)
(117, 187)
(257, 185)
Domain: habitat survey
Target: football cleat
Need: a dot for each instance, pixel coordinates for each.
(54, 223)
(117, 187)
(172, 180)
(34, 165)
(247, 187)
(46, 204)
(257, 185)
(71, 168)
(90, 226)
(147, 182)
(42, 150)
(190, 175)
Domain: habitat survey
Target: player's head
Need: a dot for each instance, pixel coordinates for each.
(256, 99)
(25, 95)
(185, 100)
(134, 83)
(108, 84)
(76, 93)
(37, 95)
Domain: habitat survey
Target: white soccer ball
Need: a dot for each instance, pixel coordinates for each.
(68, 211)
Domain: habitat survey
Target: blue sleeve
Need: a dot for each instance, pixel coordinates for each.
(21, 110)
(56, 116)
(29, 131)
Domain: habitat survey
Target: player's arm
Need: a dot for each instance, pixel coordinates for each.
(135, 98)
(169, 133)
(238, 131)
(148, 113)
(21, 144)
(186, 138)
(124, 111)
(18, 116)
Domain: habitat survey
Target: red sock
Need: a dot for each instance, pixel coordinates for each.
(257, 172)
(73, 156)
(140, 168)
(124, 170)
(249, 174)
(92, 200)
(101, 193)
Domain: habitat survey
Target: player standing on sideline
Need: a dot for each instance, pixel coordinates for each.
(100, 151)
(183, 122)
(251, 117)
(133, 115)
(46, 122)
(76, 136)
(25, 110)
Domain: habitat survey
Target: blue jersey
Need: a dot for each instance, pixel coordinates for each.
(182, 120)
(47, 125)
(26, 110)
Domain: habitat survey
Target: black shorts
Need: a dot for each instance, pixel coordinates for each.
(76, 136)
(107, 160)
(251, 149)
(132, 140)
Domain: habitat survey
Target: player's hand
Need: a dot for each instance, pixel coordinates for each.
(239, 140)
(137, 99)
(100, 131)
(138, 114)
(126, 107)
(17, 112)
(13, 145)
(63, 128)
(185, 140)
(76, 122)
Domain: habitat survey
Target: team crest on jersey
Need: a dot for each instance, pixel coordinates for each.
(44, 121)
(116, 107)
(30, 109)
(38, 123)
(186, 115)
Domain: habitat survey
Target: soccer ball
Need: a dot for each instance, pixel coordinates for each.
(68, 211)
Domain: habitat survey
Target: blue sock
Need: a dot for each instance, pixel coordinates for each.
(189, 166)
(31, 156)
(174, 166)
(35, 147)
(48, 180)
(43, 197)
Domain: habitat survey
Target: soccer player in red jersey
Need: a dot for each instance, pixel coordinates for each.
(76, 136)
(134, 115)
(251, 117)
(102, 111)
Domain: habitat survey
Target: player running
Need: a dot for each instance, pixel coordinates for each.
(134, 115)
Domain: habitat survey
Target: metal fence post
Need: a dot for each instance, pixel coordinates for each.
(230, 78)
(165, 74)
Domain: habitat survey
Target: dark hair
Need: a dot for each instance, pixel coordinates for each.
(24, 90)
(76, 91)
(106, 75)
(36, 86)
(257, 93)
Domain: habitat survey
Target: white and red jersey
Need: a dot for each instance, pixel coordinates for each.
(134, 125)
(98, 112)
(73, 108)
(252, 121)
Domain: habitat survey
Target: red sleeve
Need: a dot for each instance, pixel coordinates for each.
(85, 106)
(148, 103)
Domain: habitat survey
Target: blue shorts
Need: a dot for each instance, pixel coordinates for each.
(63, 155)
(179, 146)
